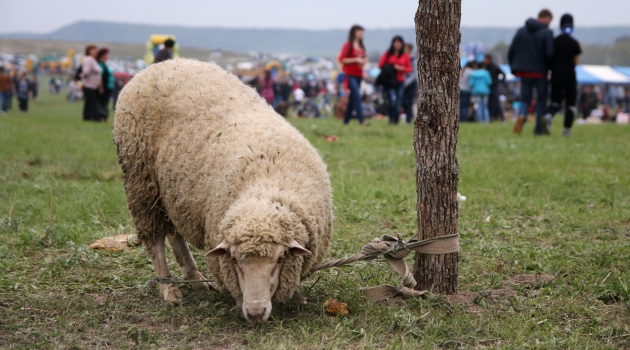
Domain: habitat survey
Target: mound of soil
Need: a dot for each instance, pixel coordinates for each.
(474, 302)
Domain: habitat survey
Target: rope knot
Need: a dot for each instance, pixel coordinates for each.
(394, 250)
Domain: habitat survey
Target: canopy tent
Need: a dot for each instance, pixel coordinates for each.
(590, 74)
(623, 70)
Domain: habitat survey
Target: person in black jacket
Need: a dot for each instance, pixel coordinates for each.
(563, 78)
(530, 56)
(498, 76)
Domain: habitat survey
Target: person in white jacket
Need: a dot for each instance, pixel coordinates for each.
(91, 77)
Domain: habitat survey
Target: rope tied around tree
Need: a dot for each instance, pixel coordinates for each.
(393, 249)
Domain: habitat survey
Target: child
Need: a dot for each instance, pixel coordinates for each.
(23, 91)
(368, 109)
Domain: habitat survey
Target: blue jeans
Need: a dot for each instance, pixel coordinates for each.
(408, 100)
(354, 100)
(527, 91)
(395, 95)
(276, 99)
(464, 104)
(5, 96)
(483, 116)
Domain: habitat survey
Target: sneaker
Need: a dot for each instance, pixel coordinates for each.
(518, 127)
(566, 132)
(545, 125)
(3, 112)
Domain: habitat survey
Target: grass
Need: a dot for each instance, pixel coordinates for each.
(551, 205)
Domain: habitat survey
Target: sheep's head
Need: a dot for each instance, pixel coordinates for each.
(258, 274)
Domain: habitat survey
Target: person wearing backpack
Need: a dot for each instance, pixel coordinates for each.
(395, 60)
(352, 58)
(564, 85)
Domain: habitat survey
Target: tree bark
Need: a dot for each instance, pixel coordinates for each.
(435, 138)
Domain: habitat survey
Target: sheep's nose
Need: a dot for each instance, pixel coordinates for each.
(256, 315)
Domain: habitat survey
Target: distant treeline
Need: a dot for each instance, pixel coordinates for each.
(296, 41)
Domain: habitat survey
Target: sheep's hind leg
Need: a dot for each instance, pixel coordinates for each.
(186, 261)
(169, 291)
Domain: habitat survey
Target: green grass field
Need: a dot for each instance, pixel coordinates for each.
(549, 205)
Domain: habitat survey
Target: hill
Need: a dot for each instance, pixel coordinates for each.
(296, 41)
(41, 47)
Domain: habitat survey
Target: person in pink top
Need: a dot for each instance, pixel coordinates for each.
(401, 63)
(266, 83)
(352, 58)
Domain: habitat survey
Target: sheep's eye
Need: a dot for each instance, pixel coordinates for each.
(234, 260)
(280, 260)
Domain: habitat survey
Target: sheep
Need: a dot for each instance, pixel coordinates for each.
(207, 161)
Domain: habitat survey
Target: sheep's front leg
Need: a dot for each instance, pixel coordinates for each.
(169, 291)
(186, 261)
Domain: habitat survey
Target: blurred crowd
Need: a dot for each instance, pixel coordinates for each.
(547, 82)
(386, 88)
(17, 85)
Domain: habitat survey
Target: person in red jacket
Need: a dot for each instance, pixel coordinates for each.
(401, 62)
(352, 58)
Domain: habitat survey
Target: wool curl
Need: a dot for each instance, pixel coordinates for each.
(205, 156)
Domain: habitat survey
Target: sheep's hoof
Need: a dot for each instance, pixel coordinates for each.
(171, 294)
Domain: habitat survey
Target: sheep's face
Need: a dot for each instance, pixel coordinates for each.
(258, 276)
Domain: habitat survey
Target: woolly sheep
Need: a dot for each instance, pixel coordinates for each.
(208, 162)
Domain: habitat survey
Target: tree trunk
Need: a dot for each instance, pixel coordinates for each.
(435, 138)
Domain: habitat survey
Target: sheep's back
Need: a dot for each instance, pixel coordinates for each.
(205, 137)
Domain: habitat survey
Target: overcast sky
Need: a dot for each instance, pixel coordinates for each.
(42, 16)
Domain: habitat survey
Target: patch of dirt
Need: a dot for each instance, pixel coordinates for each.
(475, 302)
(466, 299)
(530, 281)
(101, 298)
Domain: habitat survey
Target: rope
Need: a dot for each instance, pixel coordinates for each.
(153, 282)
(393, 249)
(397, 249)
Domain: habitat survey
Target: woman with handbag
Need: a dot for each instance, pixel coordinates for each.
(352, 58)
(91, 78)
(395, 62)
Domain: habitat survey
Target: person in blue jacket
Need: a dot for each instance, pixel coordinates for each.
(107, 83)
(480, 82)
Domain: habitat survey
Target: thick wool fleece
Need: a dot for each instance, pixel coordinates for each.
(205, 156)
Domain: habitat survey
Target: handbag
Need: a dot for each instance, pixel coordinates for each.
(102, 111)
(387, 78)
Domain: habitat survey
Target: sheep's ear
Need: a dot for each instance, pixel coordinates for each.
(296, 249)
(220, 250)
